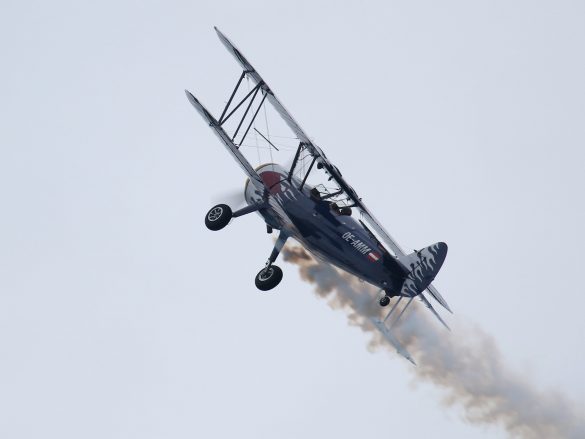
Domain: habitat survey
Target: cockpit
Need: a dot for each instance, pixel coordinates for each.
(338, 206)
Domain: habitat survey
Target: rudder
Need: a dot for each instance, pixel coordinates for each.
(424, 266)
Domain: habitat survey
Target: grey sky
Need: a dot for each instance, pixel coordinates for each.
(122, 316)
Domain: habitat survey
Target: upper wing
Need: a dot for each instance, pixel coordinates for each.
(220, 132)
(252, 73)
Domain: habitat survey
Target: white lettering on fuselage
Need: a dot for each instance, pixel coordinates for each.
(356, 243)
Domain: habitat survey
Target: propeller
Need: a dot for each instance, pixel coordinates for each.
(235, 197)
(232, 197)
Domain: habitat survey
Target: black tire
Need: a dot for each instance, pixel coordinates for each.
(268, 279)
(218, 217)
(385, 301)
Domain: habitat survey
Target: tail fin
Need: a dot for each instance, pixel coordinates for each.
(424, 266)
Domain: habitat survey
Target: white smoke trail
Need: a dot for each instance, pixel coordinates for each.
(467, 365)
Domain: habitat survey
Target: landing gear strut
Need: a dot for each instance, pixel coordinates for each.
(219, 216)
(271, 275)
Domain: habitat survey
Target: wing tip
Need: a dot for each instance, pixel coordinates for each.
(446, 306)
(446, 326)
(430, 307)
(192, 99)
(437, 296)
(219, 33)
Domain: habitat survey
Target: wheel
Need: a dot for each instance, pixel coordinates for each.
(218, 217)
(384, 301)
(267, 279)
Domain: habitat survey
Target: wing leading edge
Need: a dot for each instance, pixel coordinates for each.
(231, 147)
(252, 73)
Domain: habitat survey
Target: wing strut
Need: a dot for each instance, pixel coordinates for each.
(232, 96)
(245, 114)
(295, 161)
(307, 174)
(254, 90)
(253, 119)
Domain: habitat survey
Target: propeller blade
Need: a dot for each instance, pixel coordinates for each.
(233, 198)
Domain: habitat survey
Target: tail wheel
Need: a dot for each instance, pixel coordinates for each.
(384, 301)
(218, 217)
(268, 278)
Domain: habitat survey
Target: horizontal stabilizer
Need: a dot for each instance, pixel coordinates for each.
(429, 306)
(393, 340)
(437, 296)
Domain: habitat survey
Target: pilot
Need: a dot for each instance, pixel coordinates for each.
(315, 194)
(343, 210)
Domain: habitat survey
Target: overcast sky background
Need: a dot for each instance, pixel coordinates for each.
(121, 315)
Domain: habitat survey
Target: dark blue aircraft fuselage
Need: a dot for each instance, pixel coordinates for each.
(335, 238)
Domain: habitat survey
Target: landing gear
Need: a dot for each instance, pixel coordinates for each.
(218, 217)
(385, 301)
(268, 278)
(271, 275)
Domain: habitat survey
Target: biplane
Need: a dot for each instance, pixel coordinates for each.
(330, 220)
